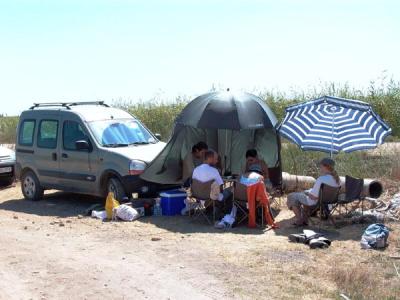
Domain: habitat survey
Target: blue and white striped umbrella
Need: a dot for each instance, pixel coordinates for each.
(333, 124)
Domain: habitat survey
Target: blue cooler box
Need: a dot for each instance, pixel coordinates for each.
(172, 202)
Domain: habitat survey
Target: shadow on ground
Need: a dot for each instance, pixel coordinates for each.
(185, 225)
(63, 205)
(340, 233)
(57, 204)
(4, 186)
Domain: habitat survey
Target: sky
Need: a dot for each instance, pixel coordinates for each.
(72, 50)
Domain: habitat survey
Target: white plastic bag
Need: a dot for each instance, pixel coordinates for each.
(126, 213)
(99, 214)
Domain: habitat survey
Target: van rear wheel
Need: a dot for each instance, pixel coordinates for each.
(115, 186)
(30, 186)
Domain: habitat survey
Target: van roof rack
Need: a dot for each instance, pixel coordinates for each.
(67, 105)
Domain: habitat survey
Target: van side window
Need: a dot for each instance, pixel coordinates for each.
(47, 135)
(25, 137)
(72, 132)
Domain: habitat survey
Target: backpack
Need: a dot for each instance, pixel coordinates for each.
(375, 236)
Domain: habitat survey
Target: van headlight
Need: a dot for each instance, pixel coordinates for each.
(136, 167)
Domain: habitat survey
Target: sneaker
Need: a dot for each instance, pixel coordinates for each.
(222, 225)
(219, 225)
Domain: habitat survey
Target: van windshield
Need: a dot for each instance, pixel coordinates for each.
(121, 133)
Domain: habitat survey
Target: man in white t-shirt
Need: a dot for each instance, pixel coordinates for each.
(208, 172)
(297, 202)
(192, 160)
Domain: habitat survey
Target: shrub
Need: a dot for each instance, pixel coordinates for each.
(8, 127)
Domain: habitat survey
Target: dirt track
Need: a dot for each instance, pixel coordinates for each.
(48, 252)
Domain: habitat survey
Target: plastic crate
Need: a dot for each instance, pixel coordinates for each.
(172, 202)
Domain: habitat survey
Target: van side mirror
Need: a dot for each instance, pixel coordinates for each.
(82, 145)
(158, 136)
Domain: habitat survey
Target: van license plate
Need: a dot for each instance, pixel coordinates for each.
(5, 170)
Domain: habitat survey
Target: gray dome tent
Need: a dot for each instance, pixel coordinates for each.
(230, 123)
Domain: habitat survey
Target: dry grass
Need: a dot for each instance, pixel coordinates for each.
(270, 267)
(376, 279)
(395, 170)
(240, 263)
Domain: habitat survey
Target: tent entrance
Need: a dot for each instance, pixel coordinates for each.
(231, 145)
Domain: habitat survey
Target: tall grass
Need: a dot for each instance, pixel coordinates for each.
(8, 127)
(158, 116)
(384, 96)
(362, 164)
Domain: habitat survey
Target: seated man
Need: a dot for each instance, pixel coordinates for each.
(303, 201)
(252, 159)
(193, 159)
(208, 172)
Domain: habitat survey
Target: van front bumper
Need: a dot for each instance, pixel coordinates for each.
(134, 184)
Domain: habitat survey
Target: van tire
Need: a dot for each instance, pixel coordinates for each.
(115, 186)
(30, 186)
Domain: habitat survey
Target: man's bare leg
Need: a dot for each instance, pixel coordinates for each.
(298, 214)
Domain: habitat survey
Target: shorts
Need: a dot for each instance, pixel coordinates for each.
(296, 199)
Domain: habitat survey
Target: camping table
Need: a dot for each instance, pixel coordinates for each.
(229, 181)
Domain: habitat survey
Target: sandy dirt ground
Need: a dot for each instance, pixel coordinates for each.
(49, 251)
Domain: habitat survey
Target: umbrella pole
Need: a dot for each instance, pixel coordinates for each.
(333, 126)
(226, 144)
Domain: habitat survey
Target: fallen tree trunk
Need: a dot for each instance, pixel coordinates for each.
(373, 188)
(295, 183)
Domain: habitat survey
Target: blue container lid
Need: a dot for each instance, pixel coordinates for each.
(173, 193)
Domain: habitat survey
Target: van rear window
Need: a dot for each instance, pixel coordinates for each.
(47, 135)
(25, 137)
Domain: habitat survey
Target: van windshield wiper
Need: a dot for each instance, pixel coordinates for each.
(116, 145)
(139, 143)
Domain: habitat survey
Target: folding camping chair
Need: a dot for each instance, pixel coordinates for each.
(240, 200)
(200, 197)
(354, 193)
(328, 195)
(276, 194)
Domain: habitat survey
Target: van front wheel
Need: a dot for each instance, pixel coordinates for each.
(115, 186)
(30, 186)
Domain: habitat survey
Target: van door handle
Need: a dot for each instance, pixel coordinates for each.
(64, 155)
(54, 156)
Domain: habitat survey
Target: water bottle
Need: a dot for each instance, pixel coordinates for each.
(157, 210)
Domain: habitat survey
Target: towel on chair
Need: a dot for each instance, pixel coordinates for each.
(258, 192)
